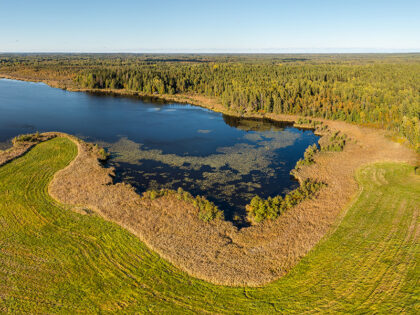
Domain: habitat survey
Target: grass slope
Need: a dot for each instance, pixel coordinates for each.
(55, 260)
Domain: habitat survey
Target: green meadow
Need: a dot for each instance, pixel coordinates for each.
(54, 260)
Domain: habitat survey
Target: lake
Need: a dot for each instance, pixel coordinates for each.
(155, 144)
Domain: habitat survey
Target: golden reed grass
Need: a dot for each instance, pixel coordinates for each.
(217, 251)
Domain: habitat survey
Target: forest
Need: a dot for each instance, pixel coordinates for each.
(378, 90)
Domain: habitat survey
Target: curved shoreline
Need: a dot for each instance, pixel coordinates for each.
(216, 251)
(92, 265)
(191, 99)
(220, 253)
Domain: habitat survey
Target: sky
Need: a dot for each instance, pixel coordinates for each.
(216, 26)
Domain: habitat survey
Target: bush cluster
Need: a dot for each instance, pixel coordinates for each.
(153, 194)
(32, 137)
(100, 153)
(207, 210)
(309, 122)
(271, 208)
(308, 156)
(335, 143)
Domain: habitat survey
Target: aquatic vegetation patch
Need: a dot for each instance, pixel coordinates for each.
(216, 250)
(107, 269)
(241, 157)
(203, 131)
(231, 176)
(271, 208)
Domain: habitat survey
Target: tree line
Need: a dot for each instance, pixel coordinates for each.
(382, 95)
(377, 90)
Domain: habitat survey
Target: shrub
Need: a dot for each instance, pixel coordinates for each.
(33, 137)
(308, 156)
(271, 208)
(335, 143)
(100, 153)
(322, 127)
(207, 210)
(309, 122)
(153, 194)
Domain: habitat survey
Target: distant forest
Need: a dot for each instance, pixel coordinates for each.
(377, 90)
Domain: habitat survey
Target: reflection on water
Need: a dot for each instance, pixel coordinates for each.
(155, 144)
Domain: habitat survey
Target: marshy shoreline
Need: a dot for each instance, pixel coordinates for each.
(219, 252)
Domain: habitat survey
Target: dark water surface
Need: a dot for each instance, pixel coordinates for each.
(156, 144)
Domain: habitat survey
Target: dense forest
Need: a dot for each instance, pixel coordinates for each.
(378, 90)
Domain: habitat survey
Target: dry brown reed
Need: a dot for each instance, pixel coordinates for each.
(217, 251)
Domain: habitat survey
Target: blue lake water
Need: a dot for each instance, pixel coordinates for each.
(155, 144)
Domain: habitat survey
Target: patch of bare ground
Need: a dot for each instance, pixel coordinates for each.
(217, 251)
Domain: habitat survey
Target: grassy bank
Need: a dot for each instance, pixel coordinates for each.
(55, 260)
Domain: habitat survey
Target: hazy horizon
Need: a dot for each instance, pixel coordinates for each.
(231, 52)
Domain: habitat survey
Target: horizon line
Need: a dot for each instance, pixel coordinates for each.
(409, 51)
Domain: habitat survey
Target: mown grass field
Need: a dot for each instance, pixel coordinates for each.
(55, 260)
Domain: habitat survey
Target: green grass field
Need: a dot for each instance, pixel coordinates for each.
(55, 260)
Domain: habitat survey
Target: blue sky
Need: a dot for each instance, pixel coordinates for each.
(209, 26)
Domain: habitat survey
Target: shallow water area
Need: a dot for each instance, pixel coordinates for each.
(155, 144)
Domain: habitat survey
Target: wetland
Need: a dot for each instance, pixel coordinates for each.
(157, 144)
